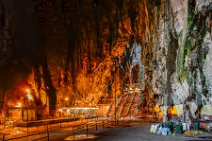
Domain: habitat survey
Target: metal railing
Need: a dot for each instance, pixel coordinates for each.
(81, 127)
(46, 135)
(131, 102)
(89, 125)
(108, 112)
(124, 104)
(2, 137)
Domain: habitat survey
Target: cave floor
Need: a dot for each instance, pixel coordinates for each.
(123, 132)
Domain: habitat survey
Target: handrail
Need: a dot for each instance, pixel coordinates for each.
(28, 135)
(88, 125)
(44, 122)
(108, 112)
(25, 136)
(2, 139)
(131, 102)
(121, 105)
(138, 103)
(75, 128)
(134, 105)
(117, 105)
(118, 102)
(124, 104)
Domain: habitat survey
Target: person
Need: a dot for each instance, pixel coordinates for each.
(187, 113)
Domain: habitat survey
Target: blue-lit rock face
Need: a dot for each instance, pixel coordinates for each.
(87, 50)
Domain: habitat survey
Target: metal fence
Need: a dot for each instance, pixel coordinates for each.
(90, 125)
(34, 136)
(85, 127)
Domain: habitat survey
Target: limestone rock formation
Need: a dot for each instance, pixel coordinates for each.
(86, 50)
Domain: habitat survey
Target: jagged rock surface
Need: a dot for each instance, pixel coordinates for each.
(67, 49)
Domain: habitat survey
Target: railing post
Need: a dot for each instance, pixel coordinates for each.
(3, 138)
(73, 132)
(103, 124)
(47, 132)
(87, 129)
(4, 123)
(96, 125)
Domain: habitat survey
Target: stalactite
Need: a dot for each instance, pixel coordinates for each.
(133, 14)
(38, 77)
(72, 40)
(119, 7)
(97, 30)
(50, 88)
(111, 36)
(210, 22)
(2, 16)
(157, 2)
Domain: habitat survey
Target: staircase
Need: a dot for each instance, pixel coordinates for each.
(126, 105)
(108, 112)
(131, 105)
(138, 103)
(111, 110)
(120, 107)
(123, 106)
(134, 105)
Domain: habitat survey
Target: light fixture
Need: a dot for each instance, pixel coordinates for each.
(66, 99)
(28, 91)
(19, 105)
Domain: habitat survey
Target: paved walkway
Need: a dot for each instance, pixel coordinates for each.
(124, 131)
(134, 132)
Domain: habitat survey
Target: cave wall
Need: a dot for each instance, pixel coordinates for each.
(82, 49)
(181, 52)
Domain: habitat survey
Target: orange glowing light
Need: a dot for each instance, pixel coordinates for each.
(29, 96)
(28, 90)
(173, 110)
(158, 111)
(66, 99)
(19, 105)
(157, 108)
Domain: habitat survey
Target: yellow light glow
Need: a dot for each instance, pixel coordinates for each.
(28, 91)
(85, 108)
(157, 108)
(29, 96)
(158, 111)
(66, 99)
(19, 105)
(173, 110)
(60, 110)
(80, 137)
